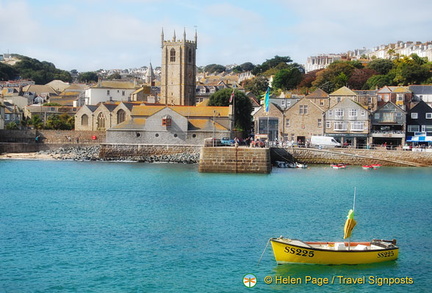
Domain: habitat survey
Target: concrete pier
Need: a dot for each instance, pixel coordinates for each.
(235, 160)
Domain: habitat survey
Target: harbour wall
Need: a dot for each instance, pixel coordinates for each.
(150, 153)
(396, 158)
(234, 160)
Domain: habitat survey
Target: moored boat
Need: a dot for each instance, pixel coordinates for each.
(287, 250)
(376, 166)
(338, 166)
(333, 253)
(367, 167)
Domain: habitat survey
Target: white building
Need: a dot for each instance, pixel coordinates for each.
(106, 91)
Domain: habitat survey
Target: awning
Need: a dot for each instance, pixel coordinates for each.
(419, 139)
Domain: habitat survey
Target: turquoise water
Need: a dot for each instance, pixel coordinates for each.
(130, 227)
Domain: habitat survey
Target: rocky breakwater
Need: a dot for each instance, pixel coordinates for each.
(151, 153)
(76, 153)
(93, 153)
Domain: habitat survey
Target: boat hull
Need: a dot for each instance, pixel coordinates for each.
(285, 252)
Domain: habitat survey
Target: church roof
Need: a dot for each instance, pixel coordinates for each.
(186, 111)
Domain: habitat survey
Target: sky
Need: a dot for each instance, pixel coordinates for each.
(88, 35)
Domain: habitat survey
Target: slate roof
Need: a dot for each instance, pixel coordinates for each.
(186, 111)
(343, 91)
(317, 94)
(421, 89)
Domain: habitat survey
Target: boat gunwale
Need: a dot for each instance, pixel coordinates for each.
(329, 250)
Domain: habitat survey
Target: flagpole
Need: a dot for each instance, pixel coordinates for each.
(354, 200)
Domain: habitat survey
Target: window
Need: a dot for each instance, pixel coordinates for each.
(330, 113)
(377, 116)
(319, 123)
(190, 56)
(339, 113)
(123, 93)
(84, 120)
(287, 123)
(353, 112)
(340, 126)
(101, 121)
(303, 109)
(121, 116)
(166, 121)
(108, 92)
(428, 115)
(172, 55)
(414, 115)
(357, 126)
(413, 128)
(328, 124)
(427, 128)
(321, 102)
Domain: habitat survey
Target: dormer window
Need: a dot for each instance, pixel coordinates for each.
(166, 121)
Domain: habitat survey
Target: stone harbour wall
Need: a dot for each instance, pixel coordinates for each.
(396, 158)
(150, 153)
(234, 160)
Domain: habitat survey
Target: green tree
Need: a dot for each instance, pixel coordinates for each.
(257, 85)
(334, 76)
(114, 76)
(7, 72)
(40, 72)
(214, 68)
(88, 77)
(378, 81)
(287, 79)
(36, 121)
(60, 122)
(12, 126)
(242, 107)
(382, 66)
(270, 63)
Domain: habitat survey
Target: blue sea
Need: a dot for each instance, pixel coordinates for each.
(135, 227)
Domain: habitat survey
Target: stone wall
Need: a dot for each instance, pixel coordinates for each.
(150, 153)
(53, 136)
(235, 160)
(362, 157)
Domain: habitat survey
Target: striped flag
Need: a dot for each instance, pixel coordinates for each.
(231, 97)
(267, 100)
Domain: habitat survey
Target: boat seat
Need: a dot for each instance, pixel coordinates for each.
(361, 247)
(339, 246)
(300, 243)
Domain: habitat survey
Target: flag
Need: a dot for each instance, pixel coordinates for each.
(349, 224)
(267, 100)
(231, 97)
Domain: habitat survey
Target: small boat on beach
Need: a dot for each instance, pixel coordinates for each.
(288, 250)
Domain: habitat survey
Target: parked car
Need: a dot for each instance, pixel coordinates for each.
(208, 142)
(227, 141)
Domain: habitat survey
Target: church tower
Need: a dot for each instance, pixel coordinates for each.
(178, 75)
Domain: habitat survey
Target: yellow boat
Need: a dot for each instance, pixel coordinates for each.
(333, 253)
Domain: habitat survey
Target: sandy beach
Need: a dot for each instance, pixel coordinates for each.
(25, 156)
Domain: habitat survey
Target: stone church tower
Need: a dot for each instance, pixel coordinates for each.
(178, 75)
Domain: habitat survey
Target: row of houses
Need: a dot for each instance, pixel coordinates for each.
(390, 115)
